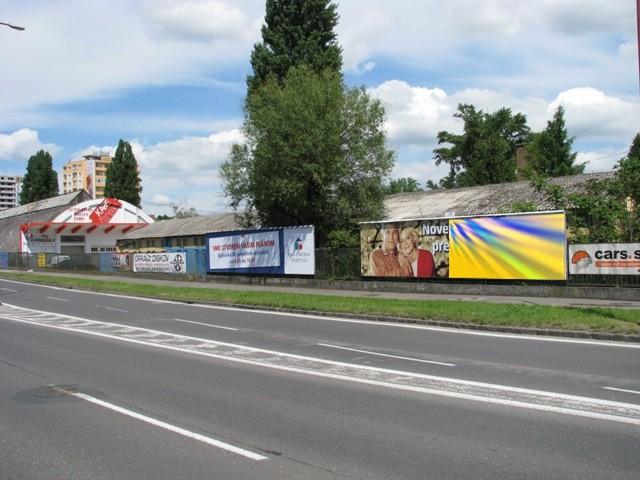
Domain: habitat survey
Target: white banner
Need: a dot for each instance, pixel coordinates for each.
(249, 250)
(160, 262)
(605, 259)
(299, 251)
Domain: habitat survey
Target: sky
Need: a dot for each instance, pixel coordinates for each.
(169, 77)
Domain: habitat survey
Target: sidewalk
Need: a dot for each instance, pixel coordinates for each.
(517, 300)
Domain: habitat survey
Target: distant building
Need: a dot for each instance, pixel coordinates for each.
(71, 223)
(87, 173)
(9, 191)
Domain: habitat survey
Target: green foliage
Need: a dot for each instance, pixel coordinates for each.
(41, 180)
(485, 152)
(159, 218)
(296, 32)
(601, 213)
(342, 239)
(315, 154)
(402, 185)
(520, 206)
(550, 150)
(123, 179)
(628, 172)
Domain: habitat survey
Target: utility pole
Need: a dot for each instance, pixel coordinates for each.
(638, 36)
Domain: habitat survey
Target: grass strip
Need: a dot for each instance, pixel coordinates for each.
(592, 319)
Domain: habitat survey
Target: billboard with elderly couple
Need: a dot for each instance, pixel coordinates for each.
(528, 246)
(417, 248)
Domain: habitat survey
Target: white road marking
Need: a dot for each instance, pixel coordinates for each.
(10, 290)
(205, 324)
(58, 299)
(386, 355)
(115, 309)
(621, 390)
(459, 331)
(540, 400)
(172, 428)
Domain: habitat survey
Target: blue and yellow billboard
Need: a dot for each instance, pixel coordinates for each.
(509, 247)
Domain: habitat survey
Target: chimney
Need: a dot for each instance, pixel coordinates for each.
(522, 161)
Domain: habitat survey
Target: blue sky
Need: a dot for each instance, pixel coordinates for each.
(169, 76)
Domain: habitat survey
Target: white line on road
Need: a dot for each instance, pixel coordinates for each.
(386, 355)
(10, 290)
(172, 428)
(551, 402)
(58, 299)
(459, 331)
(115, 309)
(205, 324)
(621, 390)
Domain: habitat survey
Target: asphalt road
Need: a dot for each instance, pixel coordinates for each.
(97, 386)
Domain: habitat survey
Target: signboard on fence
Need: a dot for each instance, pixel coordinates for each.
(121, 262)
(417, 248)
(493, 247)
(160, 263)
(278, 251)
(605, 259)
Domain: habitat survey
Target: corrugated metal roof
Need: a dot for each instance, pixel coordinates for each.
(47, 204)
(180, 227)
(481, 200)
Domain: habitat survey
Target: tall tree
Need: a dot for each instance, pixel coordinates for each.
(315, 150)
(40, 180)
(551, 150)
(123, 178)
(486, 150)
(296, 32)
(314, 154)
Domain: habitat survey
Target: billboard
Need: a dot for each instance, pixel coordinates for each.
(160, 262)
(501, 247)
(509, 247)
(278, 251)
(416, 248)
(605, 259)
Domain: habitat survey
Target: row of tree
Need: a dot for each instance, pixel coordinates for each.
(315, 150)
(122, 181)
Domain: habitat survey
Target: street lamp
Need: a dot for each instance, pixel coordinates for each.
(15, 27)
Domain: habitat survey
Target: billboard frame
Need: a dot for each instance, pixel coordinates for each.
(381, 223)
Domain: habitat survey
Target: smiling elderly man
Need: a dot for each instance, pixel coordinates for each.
(384, 262)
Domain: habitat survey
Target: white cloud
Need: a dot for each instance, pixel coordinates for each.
(202, 20)
(416, 114)
(600, 160)
(22, 144)
(160, 199)
(590, 114)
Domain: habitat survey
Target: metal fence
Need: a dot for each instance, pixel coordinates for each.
(338, 264)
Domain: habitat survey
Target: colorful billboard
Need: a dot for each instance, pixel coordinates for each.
(278, 251)
(417, 248)
(605, 259)
(508, 247)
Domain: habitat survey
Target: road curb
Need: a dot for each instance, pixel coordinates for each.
(407, 320)
(438, 323)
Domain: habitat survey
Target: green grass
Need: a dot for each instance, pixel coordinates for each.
(610, 320)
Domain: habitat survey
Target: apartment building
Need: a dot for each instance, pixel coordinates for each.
(87, 173)
(9, 191)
